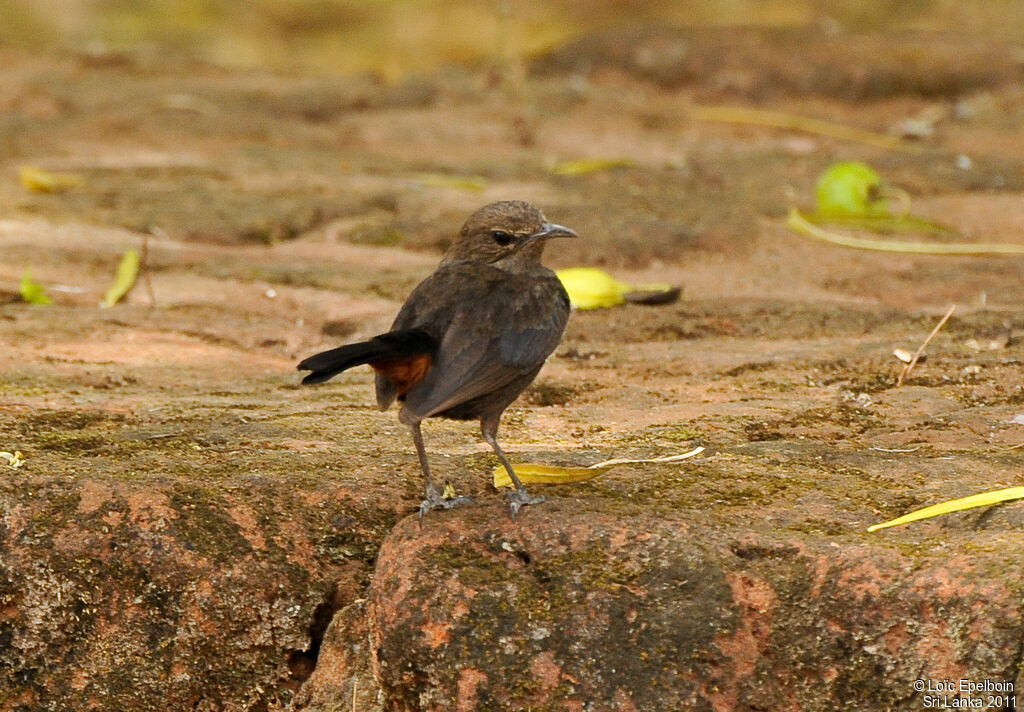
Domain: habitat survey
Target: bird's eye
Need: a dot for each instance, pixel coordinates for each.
(502, 237)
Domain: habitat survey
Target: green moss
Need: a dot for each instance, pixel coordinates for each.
(318, 277)
(873, 383)
(679, 432)
(760, 430)
(65, 420)
(753, 366)
(71, 443)
(204, 526)
(768, 386)
(667, 604)
(341, 544)
(546, 393)
(378, 236)
(55, 511)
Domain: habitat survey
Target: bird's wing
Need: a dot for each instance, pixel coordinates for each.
(497, 328)
(430, 307)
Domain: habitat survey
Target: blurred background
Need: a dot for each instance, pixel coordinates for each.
(394, 37)
(385, 122)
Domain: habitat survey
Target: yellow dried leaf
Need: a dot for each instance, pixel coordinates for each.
(983, 499)
(554, 475)
(14, 459)
(440, 180)
(36, 180)
(583, 166)
(124, 280)
(547, 474)
(592, 288)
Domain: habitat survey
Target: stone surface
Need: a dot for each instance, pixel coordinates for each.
(583, 610)
(343, 678)
(118, 596)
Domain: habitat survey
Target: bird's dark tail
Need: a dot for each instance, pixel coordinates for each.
(393, 346)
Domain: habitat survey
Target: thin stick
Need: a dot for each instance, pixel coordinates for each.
(144, 269)
(668, 458)
(798, 223)
(910, 366)
(355, 686)
(777, 119)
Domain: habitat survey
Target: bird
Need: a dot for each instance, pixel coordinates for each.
(470, 337)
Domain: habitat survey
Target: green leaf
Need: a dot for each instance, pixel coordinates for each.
(984, 499)
(850, 188)
(31, 291)
(127, 273)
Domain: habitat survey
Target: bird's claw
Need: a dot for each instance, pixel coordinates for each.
(435, 500)
(520, 497)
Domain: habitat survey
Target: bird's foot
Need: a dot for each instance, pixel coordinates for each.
(437, 500)
(519, 497)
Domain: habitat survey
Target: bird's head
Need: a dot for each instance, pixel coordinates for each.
(510, 231)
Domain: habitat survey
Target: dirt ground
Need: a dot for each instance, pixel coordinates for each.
(288, 214)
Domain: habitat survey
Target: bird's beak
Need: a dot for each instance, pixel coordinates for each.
(551, 230)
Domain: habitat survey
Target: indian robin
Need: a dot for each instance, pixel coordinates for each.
(470, 337)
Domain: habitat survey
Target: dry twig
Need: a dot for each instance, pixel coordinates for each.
(144, 270)
(777, 119)
(917, 355)
(800, 224)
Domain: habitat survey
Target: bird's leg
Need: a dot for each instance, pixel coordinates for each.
(518, 497)
(434, 499)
